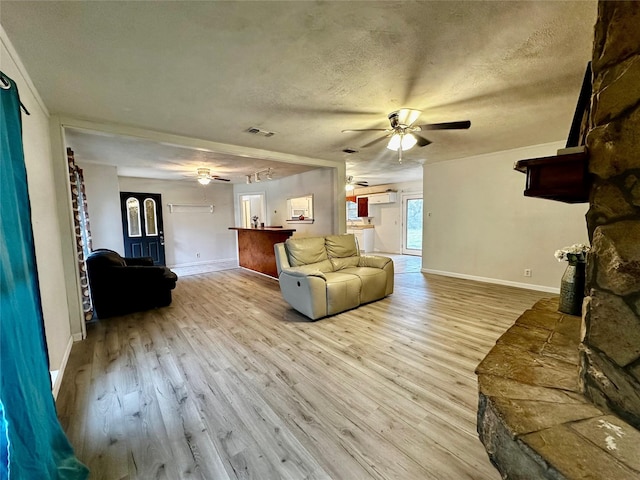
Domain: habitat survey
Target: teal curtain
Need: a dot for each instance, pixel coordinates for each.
(32, 442)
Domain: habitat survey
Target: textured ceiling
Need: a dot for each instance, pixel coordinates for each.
(307, 70)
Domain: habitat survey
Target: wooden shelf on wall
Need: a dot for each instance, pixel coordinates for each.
(564, 178)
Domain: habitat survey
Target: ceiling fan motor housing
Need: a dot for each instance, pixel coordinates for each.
(393, 119)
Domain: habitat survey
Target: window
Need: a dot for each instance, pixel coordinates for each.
(352, 211)
(150, 221)
(133, 217)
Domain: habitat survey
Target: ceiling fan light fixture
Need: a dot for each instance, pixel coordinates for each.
(348, 187)
(204, 176)
(407, 141)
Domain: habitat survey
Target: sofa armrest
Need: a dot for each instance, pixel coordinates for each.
(145, 277)
(305, 291)
(138, 261)
(282, 260)
(303, 272)
(384, 263)
(375, 261)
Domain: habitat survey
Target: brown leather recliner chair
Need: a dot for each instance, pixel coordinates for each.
(124, 285)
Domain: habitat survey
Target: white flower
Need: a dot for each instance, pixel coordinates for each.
(575, 253)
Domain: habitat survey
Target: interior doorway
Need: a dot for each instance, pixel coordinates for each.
(252, 205)
(412, 224)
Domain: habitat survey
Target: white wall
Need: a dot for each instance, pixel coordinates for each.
(320, 182)
(190, 233)
(42, 196)
(103, 201)
(478, 223)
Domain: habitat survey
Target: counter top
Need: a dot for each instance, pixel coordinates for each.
(265, 229)
(359, 227)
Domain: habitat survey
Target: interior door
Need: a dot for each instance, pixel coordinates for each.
(142, 225)
(412, 224)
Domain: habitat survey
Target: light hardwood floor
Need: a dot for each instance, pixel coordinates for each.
(229, 382)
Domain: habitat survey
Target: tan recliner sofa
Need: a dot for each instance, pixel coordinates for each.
(322, 276)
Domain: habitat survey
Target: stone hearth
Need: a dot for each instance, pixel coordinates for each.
(533, 418)
(556, 392)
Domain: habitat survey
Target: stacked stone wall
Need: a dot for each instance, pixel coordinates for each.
(610, 349)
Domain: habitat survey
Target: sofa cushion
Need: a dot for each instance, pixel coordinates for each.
(374, 282)
(313, 268)
(340, 263)
(341, 246)
(343, 292)
(306, 250)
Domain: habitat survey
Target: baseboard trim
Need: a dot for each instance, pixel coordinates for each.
(56, 375)
(204, 262)
(508, 283)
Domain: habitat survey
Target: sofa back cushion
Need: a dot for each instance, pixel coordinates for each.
(303, 251)
(341, 246)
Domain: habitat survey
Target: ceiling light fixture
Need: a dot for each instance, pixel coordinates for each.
(255, 177)
(406, 140)
(204, 176)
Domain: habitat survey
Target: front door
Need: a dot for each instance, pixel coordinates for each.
(142, 225)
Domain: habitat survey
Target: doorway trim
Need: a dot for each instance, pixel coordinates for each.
(243, 215)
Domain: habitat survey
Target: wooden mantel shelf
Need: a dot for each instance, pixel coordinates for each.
(564, 178)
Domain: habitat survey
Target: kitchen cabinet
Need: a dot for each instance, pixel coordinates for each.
(363, 206)
(386, 197)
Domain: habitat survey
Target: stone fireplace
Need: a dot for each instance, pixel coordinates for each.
(610, 348)
(559, 395)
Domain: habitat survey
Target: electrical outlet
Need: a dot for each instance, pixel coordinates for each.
(527, 272)
(198, 255)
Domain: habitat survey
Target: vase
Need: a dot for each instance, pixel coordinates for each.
(572, 289)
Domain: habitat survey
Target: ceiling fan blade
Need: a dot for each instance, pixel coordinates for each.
(363, 184)
(375, 141)
(406, 116)
(365, 130)
(422, 142)
(463, 125)
(222, 179)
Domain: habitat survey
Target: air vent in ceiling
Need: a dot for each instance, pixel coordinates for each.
(259, 131)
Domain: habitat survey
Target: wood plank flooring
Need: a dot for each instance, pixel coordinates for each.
(230, 383)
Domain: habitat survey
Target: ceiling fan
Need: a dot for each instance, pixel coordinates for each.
(351, 184)
(403, 132)
(204, 177)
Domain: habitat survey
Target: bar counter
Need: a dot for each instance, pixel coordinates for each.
(255, 247)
